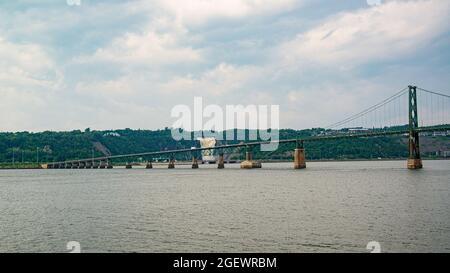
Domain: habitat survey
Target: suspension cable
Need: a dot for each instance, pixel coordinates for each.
(368, 110)
(435, 93)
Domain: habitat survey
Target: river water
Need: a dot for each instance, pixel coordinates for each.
(329, 207)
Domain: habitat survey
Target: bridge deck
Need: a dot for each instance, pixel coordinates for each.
(252, 144)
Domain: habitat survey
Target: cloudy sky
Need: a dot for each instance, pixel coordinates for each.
(108, 64)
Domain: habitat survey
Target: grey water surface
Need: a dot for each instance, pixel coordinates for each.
(328, 207)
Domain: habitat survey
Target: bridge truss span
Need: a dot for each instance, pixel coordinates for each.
(409, 112)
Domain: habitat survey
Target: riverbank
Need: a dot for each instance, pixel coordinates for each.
(34, 166)
(19, 166)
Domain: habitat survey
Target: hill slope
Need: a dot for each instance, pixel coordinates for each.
(58, 146)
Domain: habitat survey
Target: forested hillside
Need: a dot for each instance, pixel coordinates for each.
(58, 146)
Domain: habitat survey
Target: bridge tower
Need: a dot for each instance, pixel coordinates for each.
(414, 160)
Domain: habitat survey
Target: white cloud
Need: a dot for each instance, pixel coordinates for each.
(391, 30)
(28, 80)
(223, 79)
(26, 65)
(150, 48)
(115, 87)
(195, 12)
(144, 57)
(166, 38)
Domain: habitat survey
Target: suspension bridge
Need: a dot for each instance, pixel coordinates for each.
(409, 112)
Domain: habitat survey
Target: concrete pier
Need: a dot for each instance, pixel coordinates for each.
(415, 164)
(149, 165)
(299, 159)
(109, 165)
(128, 166)
(81, 165)
(89, 165)
(249, 163)
(221, 163)
(102, 165)
(171, 164)
(194, 163)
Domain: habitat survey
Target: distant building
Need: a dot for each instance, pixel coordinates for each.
(113, 134)
(435, 134)
(443, 153)
(358, 130)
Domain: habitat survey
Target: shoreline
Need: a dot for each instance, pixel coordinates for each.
(262, 161)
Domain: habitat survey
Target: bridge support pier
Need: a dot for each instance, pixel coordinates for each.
(171, 164)
(75, 165)
(221, 163)
(414, 164)
(249, 163)
(81, 165)
(128, 166)
(149, 165)
(299, 156)
(109, 165)
(102, 165)
(194, 163)
(299, 159)
(88, 165)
